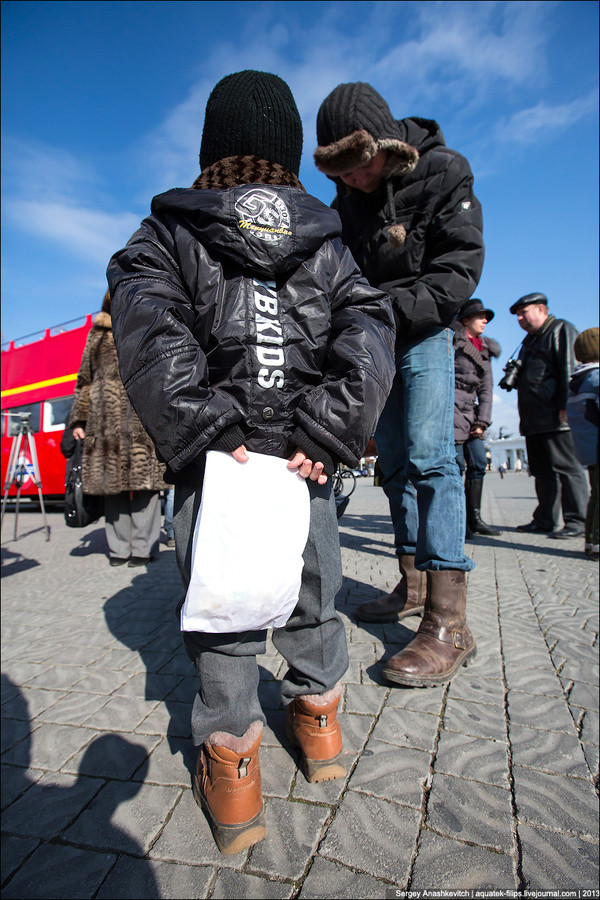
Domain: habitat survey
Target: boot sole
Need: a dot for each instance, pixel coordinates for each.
(232, 839)
(432, 680)
(317, 770)
(392, 617)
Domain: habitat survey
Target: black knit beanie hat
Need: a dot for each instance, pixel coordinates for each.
(252, 113)
(353, 123)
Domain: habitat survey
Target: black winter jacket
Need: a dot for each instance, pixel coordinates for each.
(241, 310)
(473, 381)
(548, 361)
(439, 264)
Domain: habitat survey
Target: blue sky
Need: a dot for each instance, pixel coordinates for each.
(103, 105)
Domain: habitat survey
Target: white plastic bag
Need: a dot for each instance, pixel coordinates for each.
(250, 535)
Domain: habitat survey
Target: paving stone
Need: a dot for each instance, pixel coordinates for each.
(150, 878)
(14, 850)
(364, 698)
(16, 780)
(277, 771)
(475, 812)
(392, 773)
(557, 803)
(330, 879)
(480, 690)
(172, 761)
(112, 756)
(549, 859)
(169, 718)
(12, 733)
(187, 838)
(54, 872)
(375, 836)
(474, 758)
(73, 709)
(124, 816)
(230, 884)
(549, 751)
(50, 805)
(584, 695)
(457, 866)
(293, 832)
(477, 719)
(539, 712)
(407, 728)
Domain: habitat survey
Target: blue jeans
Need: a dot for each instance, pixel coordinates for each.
(415, 445)
(471, 456)
(169, 512)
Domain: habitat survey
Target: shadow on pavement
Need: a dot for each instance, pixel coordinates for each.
(15, 562)
(91, 542)
(143, 617)
(47, 811)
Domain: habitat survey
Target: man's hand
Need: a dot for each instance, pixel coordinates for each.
(306, 468)
(78, 434)
(562, 417)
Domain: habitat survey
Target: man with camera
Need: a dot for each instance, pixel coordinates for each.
(541, 375)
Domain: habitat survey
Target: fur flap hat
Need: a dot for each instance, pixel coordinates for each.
(353, 123)
(252, 114)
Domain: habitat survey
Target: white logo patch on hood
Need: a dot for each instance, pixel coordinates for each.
(264, 214)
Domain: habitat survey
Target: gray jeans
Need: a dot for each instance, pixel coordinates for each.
(313, 642)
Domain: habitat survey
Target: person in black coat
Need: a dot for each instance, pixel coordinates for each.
(473, 403)
(546, 363)
(414, 226)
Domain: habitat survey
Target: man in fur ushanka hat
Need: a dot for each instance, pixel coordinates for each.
(414, 226)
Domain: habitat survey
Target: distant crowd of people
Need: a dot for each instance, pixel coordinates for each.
(251, 319)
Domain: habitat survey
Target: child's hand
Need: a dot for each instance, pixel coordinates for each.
(306, 468)
(240, 454)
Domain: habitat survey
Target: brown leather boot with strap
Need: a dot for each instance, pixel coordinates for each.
(227, 786)
(443, 642)
(405, 600)
(311, 724)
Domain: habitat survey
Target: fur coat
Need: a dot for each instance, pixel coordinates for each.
(118, 454)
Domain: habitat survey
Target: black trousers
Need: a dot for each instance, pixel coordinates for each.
(559, 479)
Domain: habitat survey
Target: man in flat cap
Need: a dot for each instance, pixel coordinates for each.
(414, 226)
(547, 360)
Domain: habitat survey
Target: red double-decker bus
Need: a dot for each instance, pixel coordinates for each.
(39, 373)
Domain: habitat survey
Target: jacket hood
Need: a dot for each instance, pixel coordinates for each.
(264, 229)
(581, 374)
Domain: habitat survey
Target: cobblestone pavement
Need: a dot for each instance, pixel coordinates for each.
(487, 783)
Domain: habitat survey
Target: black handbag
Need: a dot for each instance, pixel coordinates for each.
(80, 509)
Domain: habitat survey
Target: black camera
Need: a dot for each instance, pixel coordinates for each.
(510, 378)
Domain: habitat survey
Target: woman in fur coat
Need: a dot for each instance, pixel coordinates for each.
(473, 403)
(119, 461)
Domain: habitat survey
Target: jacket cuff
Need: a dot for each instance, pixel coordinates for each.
(229, 440)
(314, 451)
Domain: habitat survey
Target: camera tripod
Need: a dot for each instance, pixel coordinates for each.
(16, 472)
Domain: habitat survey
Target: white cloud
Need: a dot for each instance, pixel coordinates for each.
(88, 233)
(529, 125)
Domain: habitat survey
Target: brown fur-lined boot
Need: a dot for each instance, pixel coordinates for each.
(405, 600)
(311, 724)
(227, 786)
(443, 642)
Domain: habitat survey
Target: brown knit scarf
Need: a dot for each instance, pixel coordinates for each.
(234, 170)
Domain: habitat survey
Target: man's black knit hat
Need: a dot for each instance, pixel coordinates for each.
(353, 124)
(354, 107)
(252, 114)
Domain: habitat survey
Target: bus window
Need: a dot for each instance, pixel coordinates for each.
(14, 417)
(56, 413)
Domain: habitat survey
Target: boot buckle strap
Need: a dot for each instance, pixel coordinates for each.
(322, 721)
(243, 766)
(445, 635)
